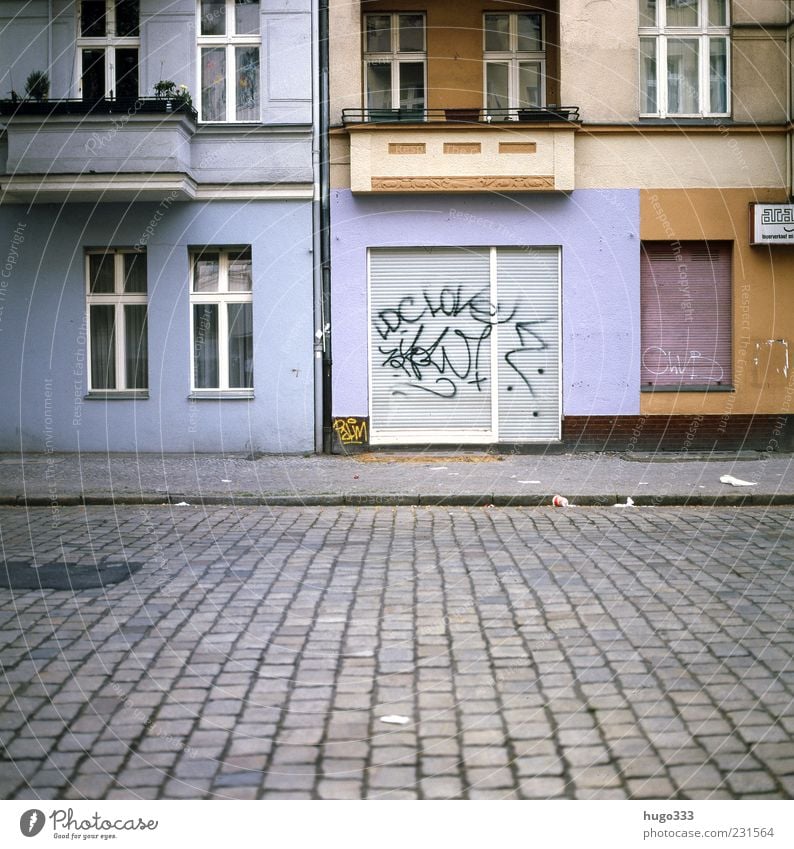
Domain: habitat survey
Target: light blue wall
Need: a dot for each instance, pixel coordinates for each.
(599, 234)
(42, 337)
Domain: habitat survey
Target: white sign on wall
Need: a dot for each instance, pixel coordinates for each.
(772, 224)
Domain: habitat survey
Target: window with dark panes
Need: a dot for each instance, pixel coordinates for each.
(394, 61)
(108, 49)
(117, 304)
(515, 61)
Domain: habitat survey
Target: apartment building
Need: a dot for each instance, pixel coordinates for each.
(562, 223)
(156, 217)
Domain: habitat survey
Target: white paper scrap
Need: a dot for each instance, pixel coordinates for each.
(736, 481)
(395, 719)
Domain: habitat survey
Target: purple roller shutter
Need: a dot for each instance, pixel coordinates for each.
(686, 313)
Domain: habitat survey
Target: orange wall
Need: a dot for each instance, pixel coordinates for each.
(455, 46)
(763, 298)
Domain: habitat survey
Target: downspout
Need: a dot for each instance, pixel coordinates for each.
(49, 41)
(321, 235)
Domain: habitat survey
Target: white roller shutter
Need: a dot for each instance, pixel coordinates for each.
(529, 346)
(464, 345)
(430, 354)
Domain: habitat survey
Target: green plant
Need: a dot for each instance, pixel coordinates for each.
(37, 85)
(169, 90)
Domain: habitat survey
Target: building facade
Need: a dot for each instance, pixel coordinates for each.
(157, 219)
(540, 218)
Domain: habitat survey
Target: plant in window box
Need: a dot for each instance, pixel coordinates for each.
(169, 91)
(37, 85)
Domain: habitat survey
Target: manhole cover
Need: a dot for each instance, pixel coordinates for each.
(24, 575)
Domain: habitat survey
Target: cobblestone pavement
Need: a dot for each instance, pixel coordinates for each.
(537, 653)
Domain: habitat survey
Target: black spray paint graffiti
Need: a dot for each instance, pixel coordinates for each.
(423, 339)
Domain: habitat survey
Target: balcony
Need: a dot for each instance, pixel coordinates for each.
(77, 150)
(461, 150)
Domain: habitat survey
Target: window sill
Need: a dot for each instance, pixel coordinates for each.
(117, 395)
(221, 395)
(698, 387)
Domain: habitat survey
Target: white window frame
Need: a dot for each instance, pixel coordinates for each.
(109, 42)
(395, 57)
(223, 297)
(230, 41)
(661, 33)
(514, 57)
(118, 299)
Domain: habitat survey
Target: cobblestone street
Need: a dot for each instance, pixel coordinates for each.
(536, 653)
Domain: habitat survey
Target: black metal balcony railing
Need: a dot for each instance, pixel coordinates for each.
(119, 106)
(540, 114)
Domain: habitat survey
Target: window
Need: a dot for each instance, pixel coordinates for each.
(684, 58)
(515, 61)
(229, 43)
(394, 61)
(685, 296)
(108, 45)
(222, 327)
(117, 319)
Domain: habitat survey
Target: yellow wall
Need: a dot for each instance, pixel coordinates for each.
(455, 46)
(763, 298)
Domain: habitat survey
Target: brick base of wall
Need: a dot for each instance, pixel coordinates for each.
(769, 433)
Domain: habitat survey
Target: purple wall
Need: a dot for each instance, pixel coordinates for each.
(599, 234)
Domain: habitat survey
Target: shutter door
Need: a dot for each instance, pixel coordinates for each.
(686, 314)
(430, 345)
(528, 344)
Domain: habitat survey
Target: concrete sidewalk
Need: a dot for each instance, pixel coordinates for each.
(463, 477)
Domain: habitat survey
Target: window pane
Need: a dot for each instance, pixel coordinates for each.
(205, 273)
(496, 85)
(135, 273)
(101, 274)
(92, 18)
(247, 59)
(127, 14)
(103, 346)
(241, 346)
(379, 85)
(682, 76)
(412, 85)
(240, 271)
(647, 13)
(246, 17)
(718, 13)
(137, 353)
(213, 84)
(497, 32)
(127, 74)
(412, 33)
(93, 79)
(378, 33)
(648, 98)
(682, 13)
(718, 71)
(205, 346)
(213, 17)
(530, 33)
(529, 84)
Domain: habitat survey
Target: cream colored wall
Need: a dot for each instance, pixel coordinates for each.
(760, 11)
(599, 60)
(437, 152)
(760, 68)
(344, 45)
(763, 299)
(674, 159)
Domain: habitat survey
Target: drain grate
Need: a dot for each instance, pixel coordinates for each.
(26, 575)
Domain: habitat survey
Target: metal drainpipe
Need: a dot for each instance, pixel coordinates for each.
(321, 235)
